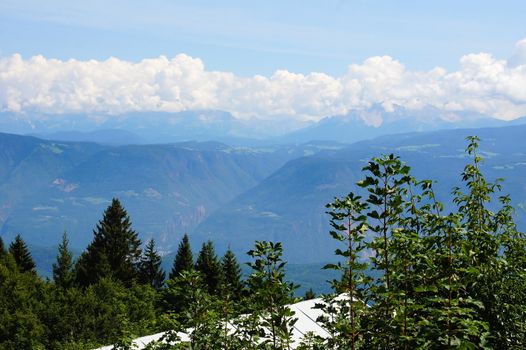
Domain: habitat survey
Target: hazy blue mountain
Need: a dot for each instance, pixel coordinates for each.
(163, 127)
(36, 123)
(103, 136)
(148, 127)
(233, 195)
(47, 187)
(29, 165)
(207, 125)
(375, 121)
(289, 205)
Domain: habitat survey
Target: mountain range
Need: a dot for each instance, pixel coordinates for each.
(233, 194)
(289, 205)
(47, 187)
(220, 126)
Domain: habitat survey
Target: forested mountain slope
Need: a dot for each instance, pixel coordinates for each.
(288, 206)
(48, 187)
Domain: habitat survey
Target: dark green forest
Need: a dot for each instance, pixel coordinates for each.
(411, 276)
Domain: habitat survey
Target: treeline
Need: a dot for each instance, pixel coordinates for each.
(113, 292)
(413, 276)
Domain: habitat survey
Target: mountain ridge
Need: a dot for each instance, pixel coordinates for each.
(289, 205)
(48, 187)
(165, 127)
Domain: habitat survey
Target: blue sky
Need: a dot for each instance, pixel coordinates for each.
(259, 37)
(268, 59)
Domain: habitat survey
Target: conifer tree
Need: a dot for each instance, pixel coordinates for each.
(63, 268)
(114, 251)
(210, 268)
(150, 270)
(21, 254)
(309, 294)
(184, 259)
(232, 275)
(2, 247)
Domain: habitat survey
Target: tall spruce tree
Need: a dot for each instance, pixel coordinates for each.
(210, 268)
(150, 270)
(21, 254)
(2, 247)
(174, 296)
(232, 275)
(63, 268)
(184, 259)
(114, 251)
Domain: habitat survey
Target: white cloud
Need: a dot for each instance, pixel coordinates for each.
(520, 53)
(483, 84)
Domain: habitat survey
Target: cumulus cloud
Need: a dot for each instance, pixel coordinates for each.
(520, 54)
(483, 84)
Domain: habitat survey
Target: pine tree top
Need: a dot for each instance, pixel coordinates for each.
(2, 247)
(21, 254)
(114, 251)
(114, 225)
(63, 268)
(230, 265)
(232, 274)
(184, 258)
(150, 271)
(210, 268)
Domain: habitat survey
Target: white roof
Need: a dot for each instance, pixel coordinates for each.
(304, 311)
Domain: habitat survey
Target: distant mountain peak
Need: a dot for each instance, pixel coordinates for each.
(375, 121)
